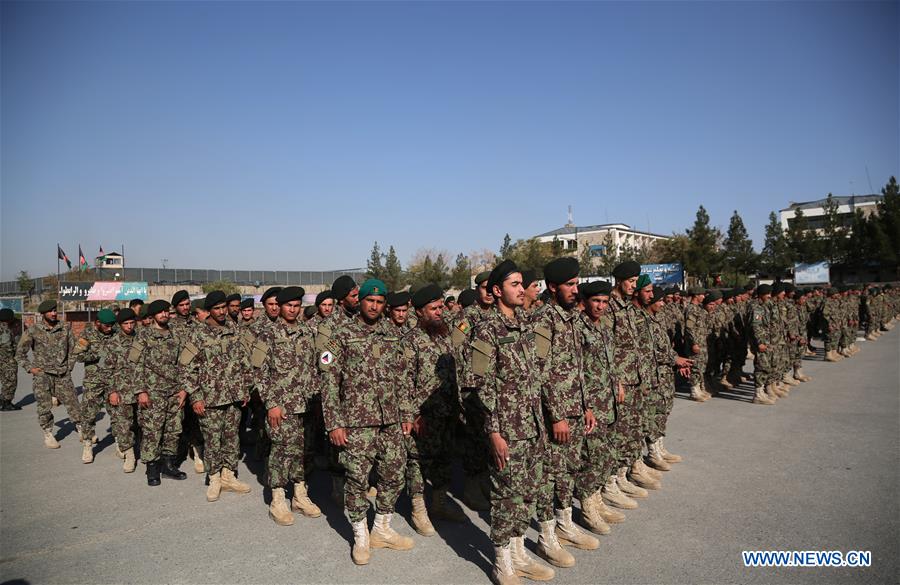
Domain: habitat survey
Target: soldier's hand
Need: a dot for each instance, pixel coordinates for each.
(338, 437)
(199, 408)
(685, 372)
(561, 431)
(590, 421)
(114, 398)
(143, 400)
(182, 395)
(683, 362)
(695, 349)
(275, 416)
(419, 426)
(406, 427)
(620, 395)
(761, 348)
(34, 371)
(499, 450)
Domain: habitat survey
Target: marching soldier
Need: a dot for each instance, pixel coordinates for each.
(91, 349)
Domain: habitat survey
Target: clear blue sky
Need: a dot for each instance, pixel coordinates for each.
(293, 135)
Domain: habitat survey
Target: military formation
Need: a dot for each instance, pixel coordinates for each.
(545, 397)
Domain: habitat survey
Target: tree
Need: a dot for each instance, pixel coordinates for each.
(738, 256)
(703, 256)
(393, 271)
(776, 258)
(374, 267)
(226, 286)
(833, 231)
(587, 261)
(556, 246)
(506, 248)
(532, 254)
(26, 284)
(423, 270)
(802, 243)
(889, 223)
(673, 250)
(609, 257)
(461, 275)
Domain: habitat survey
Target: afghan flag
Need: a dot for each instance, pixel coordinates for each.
(62, 256)
(82, 263)
(101, 258)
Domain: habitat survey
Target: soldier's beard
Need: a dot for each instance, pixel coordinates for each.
(436, 328)
(565, 306)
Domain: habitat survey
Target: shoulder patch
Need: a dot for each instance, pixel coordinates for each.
(188, 353)
(326, 359)
(258, 354)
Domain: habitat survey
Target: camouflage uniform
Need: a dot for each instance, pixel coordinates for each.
(763, 332)
(92, 349)
(191, 435)
(160, 375)
(9, 370)
(475, 445)
(696, 330)
(503, 365)
(118, 373)
(364, 391)
(600, 385)
(53, 351)
(663, 397)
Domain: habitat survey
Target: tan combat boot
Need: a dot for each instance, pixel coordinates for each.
(372, 492)
(301, 502)
(798, 375)
(214, 488)
(49, 440)
(788, 379)
(443, 508)
(473, 496)
(627, 487)
(829, 356)
(612, 494)
(724, 382)
(643, 479)
(771, 394)
(670, 457)
(230, 483)
(609, 515)
(87, 451)
(503, 573)
(697, 395)
(525, 565)
(278, 509)
(549, 548)
(705, 391)
(655, 458)
(360, 552)
(569, 534)
(383, 536)
(871, 337)
(337, 492)
(129, 464)
(119, 453)
(420, 521)
(198, 462)
(761, 397)
(590, 516)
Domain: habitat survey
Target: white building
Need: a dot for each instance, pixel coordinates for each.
(112, 261)
(814, 211)
(574, 237)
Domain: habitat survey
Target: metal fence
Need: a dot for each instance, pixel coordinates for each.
(201, 276)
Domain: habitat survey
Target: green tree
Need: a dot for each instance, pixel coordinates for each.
(587, 261)
(801, 241)
(888, 232)
(833, 231)
(703, 256)
(461, 276)
(506, 248)
(26, 284)
(738, 254)
(532, 254)
(776, 257)
(226, 286)
(374, 267)
(556, 247)
(393, 270)
(610, 256)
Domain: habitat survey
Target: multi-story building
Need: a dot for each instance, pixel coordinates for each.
(814, 211)
(620, 235)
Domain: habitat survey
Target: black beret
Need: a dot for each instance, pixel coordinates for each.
(180, 296)
(290, 293)
(157, 306)
(727, 294)
(528, 276)
(788, 287)
(142, 313)
(309, 311)
(397, 299)
(592, 289)
(777, 287)
(482, 276)
(214, 298)
(247, 303)
(427, 294)
(561, 270)
(626, 270)
(342, 286)
(324, 295)
(696, 290)
(658, 295)
(764, 289)
(48, 305)
(467, 297)
(712, 296)
(6, 315)
(270, 292)
(233, 297)
(748, 287)
(125, 315)
(197, 304)
(500, 272)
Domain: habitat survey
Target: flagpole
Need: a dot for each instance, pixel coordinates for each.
(58, 299)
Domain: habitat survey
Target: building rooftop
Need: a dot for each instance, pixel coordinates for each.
(571, 230)
(840, 199)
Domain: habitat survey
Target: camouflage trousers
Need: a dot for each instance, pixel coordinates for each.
(160, 427)
(430, 455)
(366, 446)
(9, 377)
(92, 402)
(287, 455)
(121, 421)
(831, 339)
(698, 370)
(514, 489)
(603, 460)
(221, 441)
(764, 371)
(796, 354)
(475, 444)
(568, 469)
(629, 426)
(46, 386)
(661, 400)
(734, 364)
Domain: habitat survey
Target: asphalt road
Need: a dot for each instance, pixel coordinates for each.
(817, 471)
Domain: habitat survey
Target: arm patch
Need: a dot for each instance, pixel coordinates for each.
(188, 353)
(258, 354)
(481, 357)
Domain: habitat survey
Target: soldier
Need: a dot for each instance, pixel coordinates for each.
(271, 310)
(398, 310)
(696, 329)
(136, 305)
(116, 382)
(182, 323)
(762, 330)
(285, 355)
(9, 370)
(52, 347)
(532, 290)
(710, 344)
(367, 414)
(832, 321)
(91, 349)
(503, 364)
(325, 304)
(217, 364)
(233, 304)
(181, 302)
(797, 333)
(466, 299)
(162, 395)
(450, 304)
(568, 414)
(346, 295)
(248, 312)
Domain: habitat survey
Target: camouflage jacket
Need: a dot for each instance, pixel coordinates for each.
(664, 355)
(181, 325)
(365, 377)
(832, 313)
(696, 327)
(157, 362)
(503, 362)
(261, 323)
(52, 348)
(7, 341)
(118, 371)
(633, 364)
(462, 332)
(91, 349)
(432, 368)
(558, 346)
(761, 325)
(286, 357)
(599, 356)
(217, 365)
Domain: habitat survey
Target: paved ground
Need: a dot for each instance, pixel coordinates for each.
(818, 471)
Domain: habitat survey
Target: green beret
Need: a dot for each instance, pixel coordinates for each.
(233, 297)
(46, 306)
(270, 292)
(727, 294)
(560, 270)
(125, 315)
(696, 291)
(323, 296)
(214, 298)
(342, 287)
(397, 299)
(157, 306)
(247, 303)
(309, 311)
(500, 272)
(643, 280)
(626, 270)
(482, 276)
(748, 287)
(197, 304)
(290, 293)
(592, 289)
(712, 296)
(179, 296)
(764, 289)
(143, 311)
(427, 294)
(7, 315)
(467, 297)
(371, 287)
(106, 317)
